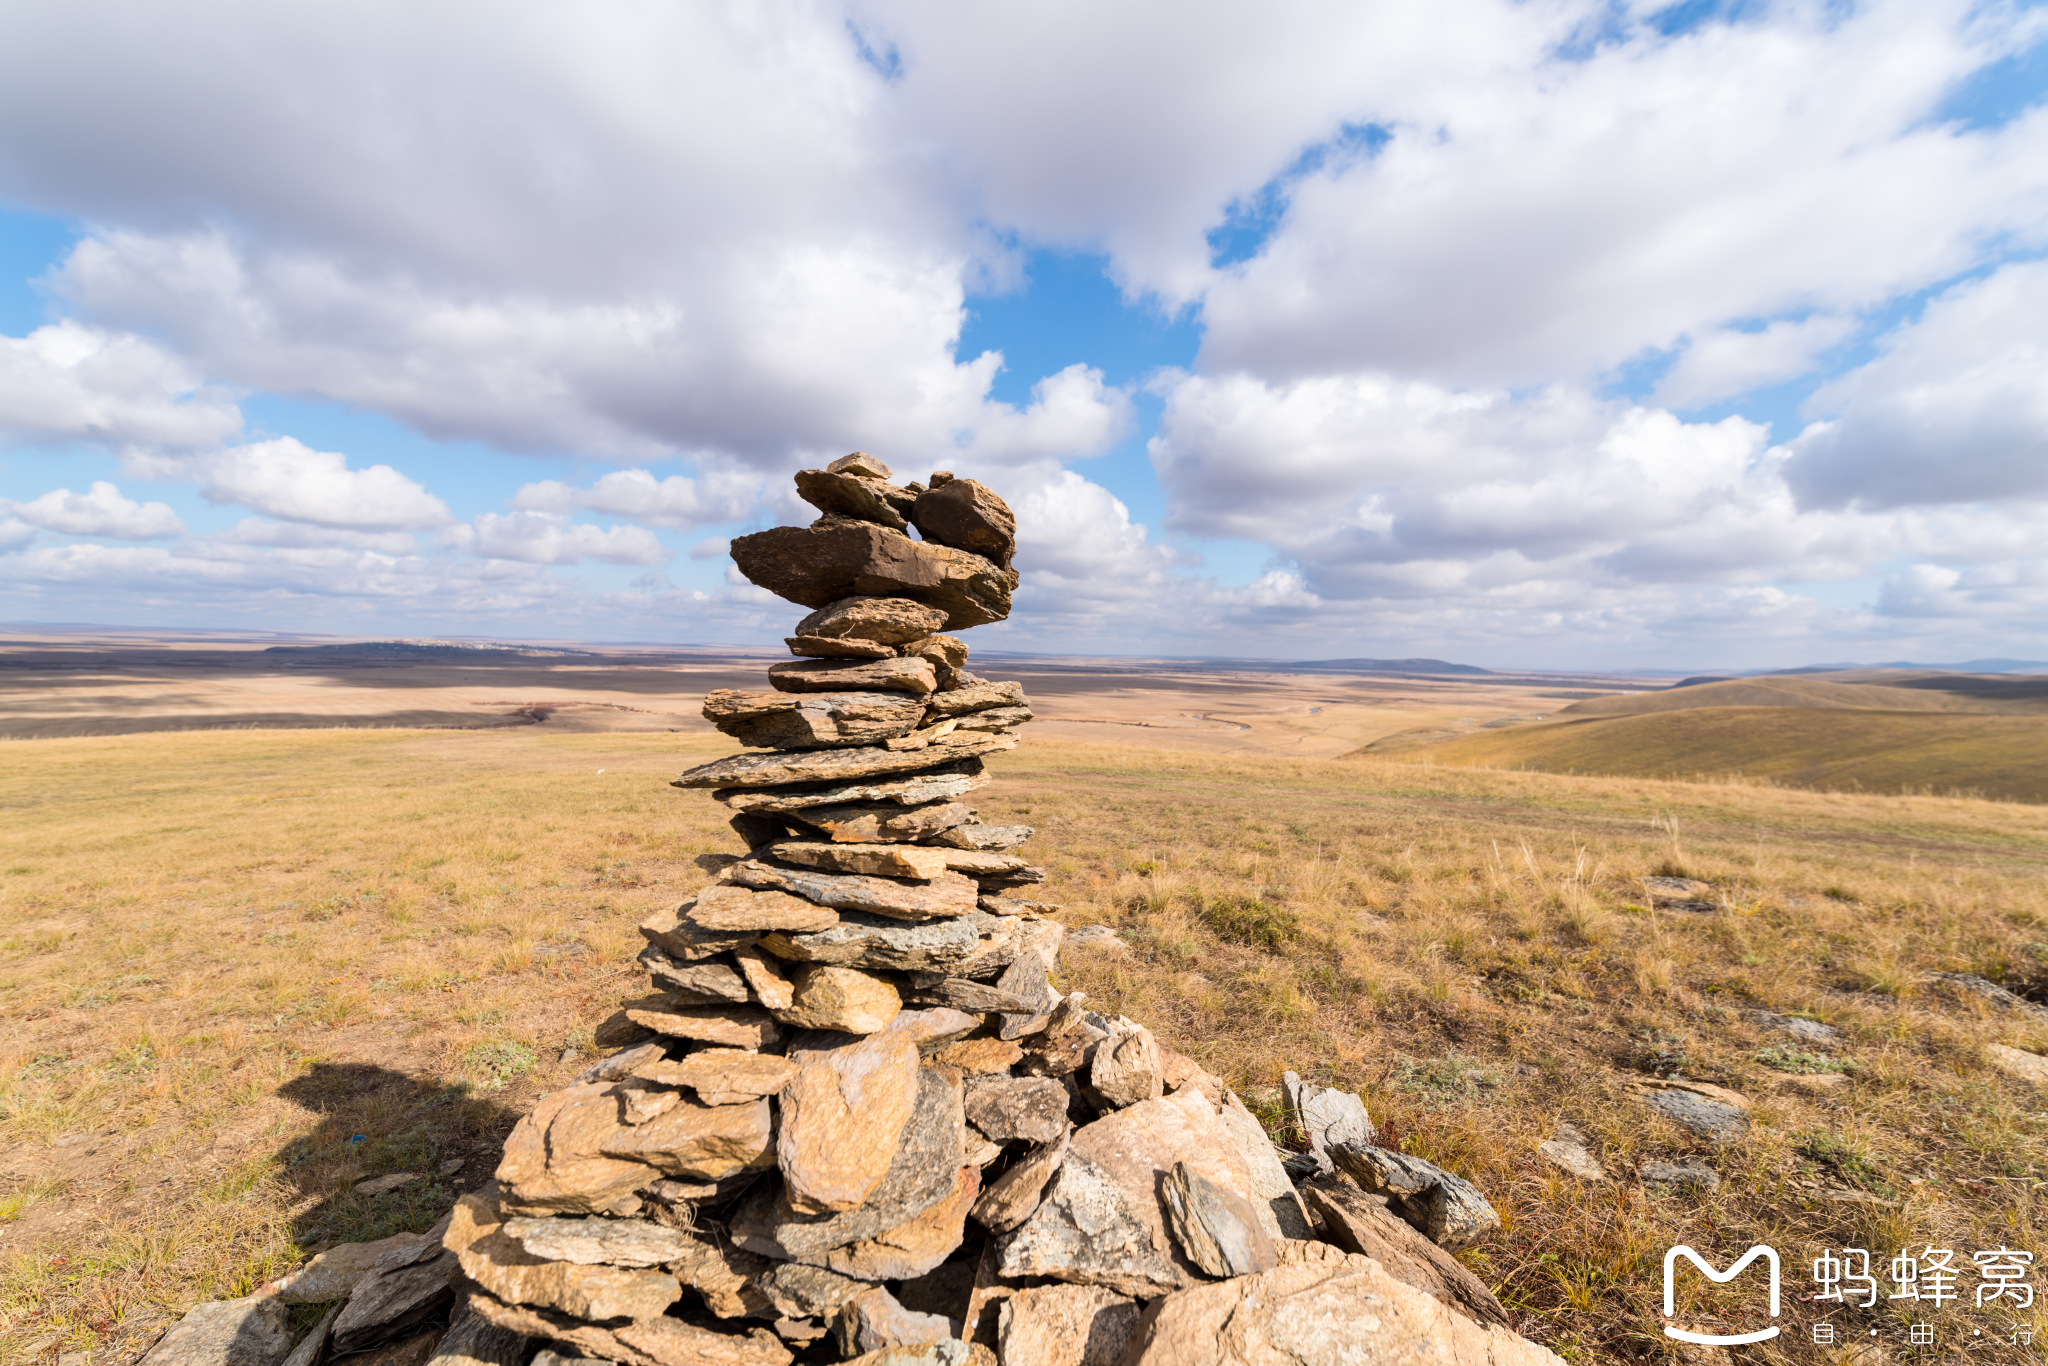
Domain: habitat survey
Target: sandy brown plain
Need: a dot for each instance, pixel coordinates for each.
(242, 970)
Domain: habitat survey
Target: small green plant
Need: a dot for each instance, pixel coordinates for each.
(1251, 921)
(1785, 1058)
(1454, 1074)
(500, 1061)
(1847, 1160)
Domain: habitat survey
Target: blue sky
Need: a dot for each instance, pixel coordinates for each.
(1568, 335)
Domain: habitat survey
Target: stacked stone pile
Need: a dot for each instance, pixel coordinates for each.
(855, 1119)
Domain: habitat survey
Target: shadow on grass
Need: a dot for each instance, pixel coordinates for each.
(377, 1122)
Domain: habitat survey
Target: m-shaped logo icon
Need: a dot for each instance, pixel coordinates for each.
(1671, 1257)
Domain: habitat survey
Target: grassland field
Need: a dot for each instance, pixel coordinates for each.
(242, 971)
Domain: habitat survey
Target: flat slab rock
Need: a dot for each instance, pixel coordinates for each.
(942, 894)
(812, 720)
(721, 1076)
(504, 1266)
(939, 784)
(870, 941)
(875, 860)
(1320, 1306)
(887, 621)
(904, 676)
(255, 1330)
(1101, 1221)
(840, 766)
(817, 566)
(1712, 1112)
(862, 822)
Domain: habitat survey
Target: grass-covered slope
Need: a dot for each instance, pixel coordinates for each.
(241, 972)
(1999, 757)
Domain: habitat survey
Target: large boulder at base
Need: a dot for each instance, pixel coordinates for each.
(1320, 1307)
(842, 1114)
(817, 566)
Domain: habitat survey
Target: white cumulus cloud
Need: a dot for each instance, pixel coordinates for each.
(544, 538)
(67, 381)
(100, 511)
(286, 478)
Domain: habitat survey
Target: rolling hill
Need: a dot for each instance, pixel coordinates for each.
(1871, 731)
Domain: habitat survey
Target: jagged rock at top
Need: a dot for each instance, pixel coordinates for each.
(812, 720)
(966, 515)
(1321, 1306)
(914, 676)
(838, 765)
(885, 621)
(862, 464)
(955, 779)
(849, 495)
(819, 565)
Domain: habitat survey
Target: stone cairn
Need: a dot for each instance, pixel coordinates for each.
(856, 1120)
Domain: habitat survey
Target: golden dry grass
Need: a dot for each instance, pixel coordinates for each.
(227, 955)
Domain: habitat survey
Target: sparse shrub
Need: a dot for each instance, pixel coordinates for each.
(1785, 1058)
(501, 1061)
(1251, 921)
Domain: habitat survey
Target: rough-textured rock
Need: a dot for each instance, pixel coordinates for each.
(870, 941)
(1280, 1210)
(950, 780)
(1065, 1325)
(1690, 1175)
(921, 1173)
(1813, 1031)
(978, 1057)
(874, 1319)
(473, 1340)
(1567, 1151)
(887, 621)
(967, 515)
(945, 1352)
(1179, 1070)
(828, 996)
(494, 1258)
(766, 977)
(722, 1076)
(910, 679)
(597, 1242)
(641, 1102)
(1014, 1196)
(837, 766)
(1445, 1207)
(799, 1291)
(708, 981)
(827, 647)
(1216, 1229)
(986, 837)
(388, 1302)
(817, 566)
(842, 1114)
(875, 860)
(1320, 1307)
(727, 907)
(553, 1161)
(943, 894)
(962, 994)
(976, 697)
(982, 864)
(698, 1141)
(813, 720)
(1357, 1222)
(649, 1342)
(916, 1245)
(252, 1331)
(733, 1026)
(862, 464)
(1101, 1222)
(1127, 1067)
(860, 822)
(943, 1291)
(946, 654)
(1029, 1108)
(852, 495)
(334, 1273)
(1027, 980)
(1712, 1112)
(2018, 1063)
(724, 1277)
(995, 719)
(622, 1063)
(1065, 1042)
(681, 937)
(1326, 1116)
